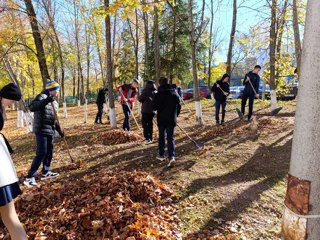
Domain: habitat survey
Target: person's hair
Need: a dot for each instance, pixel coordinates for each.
(257, 66)
(106, 89)
(163, 81)
(135, 81)
(225, 76)
(177, 81)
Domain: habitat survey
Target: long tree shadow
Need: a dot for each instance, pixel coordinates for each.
(269, 163)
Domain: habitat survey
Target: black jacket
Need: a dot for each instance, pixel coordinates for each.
(255, 80)
(147, 97)
(101, 97)
(44, 119)
(167, 105)
(218, 94)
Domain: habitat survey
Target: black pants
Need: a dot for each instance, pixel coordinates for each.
(147, 123)
(223, 104)
(245, 97)
(126, 121)
(99, 114)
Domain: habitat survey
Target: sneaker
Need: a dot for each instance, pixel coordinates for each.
(49, 175)
(30, 182)
(161, 158)
(172, 162)
(222, 123)
(217, 123)
(149, 142)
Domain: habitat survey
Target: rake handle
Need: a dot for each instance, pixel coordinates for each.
(64, 137)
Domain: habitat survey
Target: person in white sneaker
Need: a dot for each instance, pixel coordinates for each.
(44, 127)
(9, 187)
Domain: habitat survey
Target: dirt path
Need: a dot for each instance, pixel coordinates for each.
(234, 187)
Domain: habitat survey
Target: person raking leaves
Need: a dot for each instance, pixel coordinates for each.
(167, 105)
(101, 99)
(128, 95)
(44, 127)
(9, 187)
(251, 90)
(221, 90)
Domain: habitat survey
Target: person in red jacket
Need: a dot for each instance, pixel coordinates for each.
(128, 93)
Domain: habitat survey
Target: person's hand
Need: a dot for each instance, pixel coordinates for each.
(257, 95)
(50, 99)
(225, 93)
(218, 85)
(125, 99)
(247, 79)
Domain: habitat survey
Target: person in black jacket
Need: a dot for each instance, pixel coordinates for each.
(44, 127)
(251, 90)
(146, 98)
(101, 99)
(221, 91)
(167, 105)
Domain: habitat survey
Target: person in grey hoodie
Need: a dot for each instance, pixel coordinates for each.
(146, 98)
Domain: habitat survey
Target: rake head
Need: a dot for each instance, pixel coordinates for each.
(276, 111)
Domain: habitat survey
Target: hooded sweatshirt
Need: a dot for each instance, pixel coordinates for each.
(147, 97)
(167, 105)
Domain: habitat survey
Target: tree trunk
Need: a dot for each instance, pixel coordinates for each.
(136, 51)
(174, 46)
(99, 53)
(210, 45)
(193, 43)
(88, 62)
(52, 25)
(296, 31)
(303, 191)
(146, 40)
(156, 42)
(38, 41)
(273, 43)
(113, 121)
(233, 32)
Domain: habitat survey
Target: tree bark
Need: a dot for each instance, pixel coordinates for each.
(146, 40)
(273, 42)
(156, 43)
(38, 41)
(233, 32)
(88, 42)
(304, 191)
(109, 67)
(210, 45)
(296, 31)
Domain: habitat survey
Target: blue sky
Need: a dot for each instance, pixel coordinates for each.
(250, 13)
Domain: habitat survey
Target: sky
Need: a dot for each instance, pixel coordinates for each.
(250, 13)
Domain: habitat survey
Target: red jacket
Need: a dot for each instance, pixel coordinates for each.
(125, 90)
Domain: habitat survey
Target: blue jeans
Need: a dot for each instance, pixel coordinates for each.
(218, 104)
(44, 154)
(245, 97)
(170, 141)
(126, 121)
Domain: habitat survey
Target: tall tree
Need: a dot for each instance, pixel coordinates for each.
(232, 34)
(38, 41)
(273, 43)
(194, 38)
(156, 41)
(296, 31)
(113, 121)
(301, 216)
(146, 43)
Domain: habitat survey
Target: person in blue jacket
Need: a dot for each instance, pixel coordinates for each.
(251, 90)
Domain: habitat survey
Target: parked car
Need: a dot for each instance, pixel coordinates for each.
(188, 93)
(235, 91)
(288, 92)
(266, 91)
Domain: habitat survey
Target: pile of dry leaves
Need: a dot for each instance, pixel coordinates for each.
(118, 136)
(123, 206)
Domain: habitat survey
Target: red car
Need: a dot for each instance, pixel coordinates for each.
(203, 91)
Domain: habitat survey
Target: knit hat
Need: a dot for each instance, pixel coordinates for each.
(11, 91)
(52, 85)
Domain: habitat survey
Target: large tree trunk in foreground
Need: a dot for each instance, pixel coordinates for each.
(303, 192)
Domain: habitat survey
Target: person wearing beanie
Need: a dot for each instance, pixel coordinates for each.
(9, 186)
(146, 98)
(221, 90)
(44, 126)
(101, 99)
